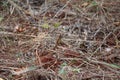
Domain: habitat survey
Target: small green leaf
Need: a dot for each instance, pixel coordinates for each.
(64, 64)
(62, 71)
(1, 18)
(57, 24)
(94, 3)
(76, 70)
(45, 25)
(31, 68)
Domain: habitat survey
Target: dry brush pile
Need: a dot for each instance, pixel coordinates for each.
(59, 40)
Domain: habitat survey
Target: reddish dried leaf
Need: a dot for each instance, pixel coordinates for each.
(70, 53)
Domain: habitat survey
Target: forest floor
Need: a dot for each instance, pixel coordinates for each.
(67, 40)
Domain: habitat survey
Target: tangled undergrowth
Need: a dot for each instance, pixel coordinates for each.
(60, 40)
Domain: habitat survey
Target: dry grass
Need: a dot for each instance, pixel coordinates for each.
(70, 40)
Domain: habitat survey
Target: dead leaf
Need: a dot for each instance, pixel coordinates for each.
(89, 19)
(70, 53)
(1, 79)
(116, 23)
(18, 28)
(85, 4)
